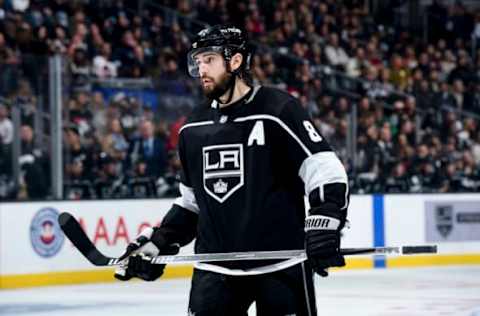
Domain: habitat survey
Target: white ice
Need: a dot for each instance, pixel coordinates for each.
(443, 291)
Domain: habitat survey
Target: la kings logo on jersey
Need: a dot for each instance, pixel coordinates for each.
(222, 170)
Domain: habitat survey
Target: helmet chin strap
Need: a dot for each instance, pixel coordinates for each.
(230, 87)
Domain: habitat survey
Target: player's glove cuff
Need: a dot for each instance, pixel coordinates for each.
(317, 222)
(322, 238)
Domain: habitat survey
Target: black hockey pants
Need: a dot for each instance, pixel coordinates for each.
(289, 292)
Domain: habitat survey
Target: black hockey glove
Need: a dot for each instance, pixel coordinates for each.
(139, 253)
(322, 238)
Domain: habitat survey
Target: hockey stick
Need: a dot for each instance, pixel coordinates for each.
(77, 236)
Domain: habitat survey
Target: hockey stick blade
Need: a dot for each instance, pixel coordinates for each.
(79, 239)
(77, 236)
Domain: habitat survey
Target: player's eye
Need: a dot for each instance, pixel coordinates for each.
(207, 60)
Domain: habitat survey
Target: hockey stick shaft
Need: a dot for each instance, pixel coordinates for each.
(77, 236)
(289, 254)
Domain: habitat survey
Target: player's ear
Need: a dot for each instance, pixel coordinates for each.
(236, 61)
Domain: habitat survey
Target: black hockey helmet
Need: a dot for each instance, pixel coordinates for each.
(226, 40)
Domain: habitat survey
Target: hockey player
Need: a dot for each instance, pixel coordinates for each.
(249, 155)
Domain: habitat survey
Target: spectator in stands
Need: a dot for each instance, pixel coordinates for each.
(35, 167)
(131, 112)
(157, 30)
(81, 69)
(404, 150)
(398, 181)
(210, 13)
(25, 100)
(141, 184)
(81, 112)
(114, 143)
(338, 140)
(451, 126)
(466, 137)
(399, 74)
(429, 178)
(6, 126)
(77, 186)
(109, 181)
(463, 70)
(40, 44)
(173, 135)
(179, 42)
(150, 148)
(458, 93)
(103, 64)
(373, 53)
(448, 63)
(476, 151)
(386, 148)
(469, 172)
(336, 55)
(7, 187)
(254, 22)
(385, 86)
(7, 53)
(168, 185)
(422, 157)
(171, 80)
(424, 96)
(130, 55)
(99, 111)
(371, 86)
(444, 97)
(370, 151)
(472, 97)
(59, 43)
(450, 178)
(358, 63)
(76, 151)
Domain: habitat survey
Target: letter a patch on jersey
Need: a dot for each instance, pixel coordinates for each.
(257, 135)
(222, 170)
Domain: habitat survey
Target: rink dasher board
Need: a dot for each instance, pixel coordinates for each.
(32, 251)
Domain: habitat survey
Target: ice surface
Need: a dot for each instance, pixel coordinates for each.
(445, 291)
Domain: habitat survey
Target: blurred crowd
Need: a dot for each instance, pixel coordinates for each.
(416, 103)
(110, 150)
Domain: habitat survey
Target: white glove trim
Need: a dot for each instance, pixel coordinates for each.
(321, 222)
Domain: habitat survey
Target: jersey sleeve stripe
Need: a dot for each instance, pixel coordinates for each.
(195, 124)
(187, 199)
(320, 169)
(279, 122)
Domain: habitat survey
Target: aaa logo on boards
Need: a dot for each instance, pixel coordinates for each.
(222, 170)
(45, 233)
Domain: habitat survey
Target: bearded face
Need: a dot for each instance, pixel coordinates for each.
(214, 88)
(214, 77)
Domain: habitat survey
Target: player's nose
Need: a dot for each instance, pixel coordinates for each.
(202, 70)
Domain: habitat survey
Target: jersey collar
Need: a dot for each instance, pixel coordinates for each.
(245, 100)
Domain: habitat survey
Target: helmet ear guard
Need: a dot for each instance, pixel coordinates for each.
(228, 55)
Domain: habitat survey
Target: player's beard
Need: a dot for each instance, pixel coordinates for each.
(217, 89)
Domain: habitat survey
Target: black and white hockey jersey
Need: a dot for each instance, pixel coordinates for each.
(246, 170)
